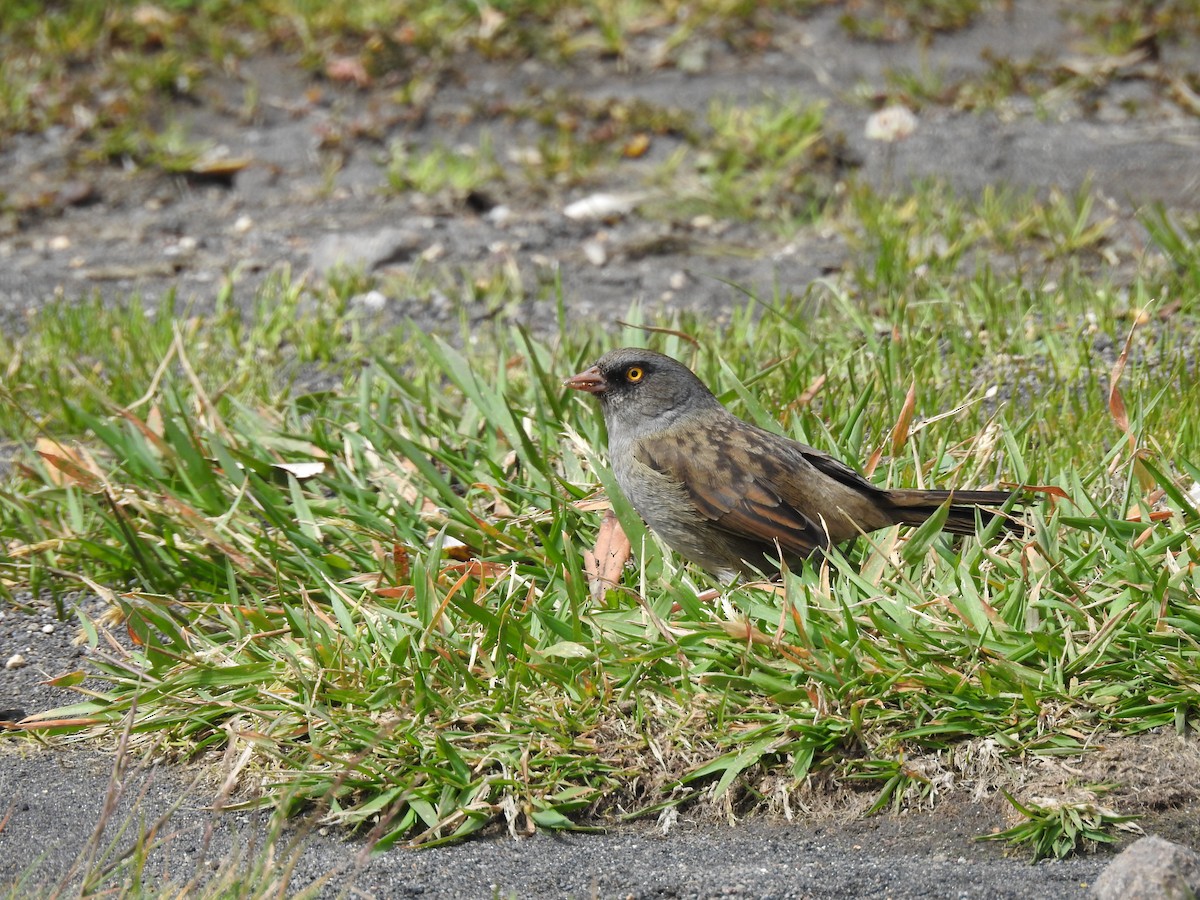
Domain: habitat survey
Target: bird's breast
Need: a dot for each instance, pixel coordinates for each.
(668, 509)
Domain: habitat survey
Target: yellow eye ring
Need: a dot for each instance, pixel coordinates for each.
(634, 374)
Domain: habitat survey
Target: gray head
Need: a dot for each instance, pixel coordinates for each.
(639, 389)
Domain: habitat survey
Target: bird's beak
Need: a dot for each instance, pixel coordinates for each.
(591, 381)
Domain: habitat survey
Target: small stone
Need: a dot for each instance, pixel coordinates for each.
(77, 193)
(499, 215)
(603, 206)
(1150, 869)
(891, 124)
(366, 251)
(47, 629)
(693, 57)
(243, 224)
(595, 252)
(16, 661)
(372, 301)
(59, 242)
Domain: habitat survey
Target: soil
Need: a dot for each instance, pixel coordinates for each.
(112, 233)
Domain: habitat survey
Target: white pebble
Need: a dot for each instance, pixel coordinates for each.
(499, 215)
(595, 252)
(47, 629)
(16, 661)
(891, 124)
(371, 300)
(603, 206)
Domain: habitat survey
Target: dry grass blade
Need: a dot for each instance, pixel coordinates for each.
(904, 420)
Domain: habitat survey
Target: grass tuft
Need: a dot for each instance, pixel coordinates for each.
(372, 584)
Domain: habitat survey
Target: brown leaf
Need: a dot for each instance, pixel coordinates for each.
(1116, 403)
(151, 429)
(900, 429)
(400, 560)
(742, 630)
(1116, 407)
(218, 167)
(348, 68)
(604, 564)
(69, 465)
(873, 461)
(636, 146)
(1053, 491)
(810, 392)
(1143, 537)
(1134, 513)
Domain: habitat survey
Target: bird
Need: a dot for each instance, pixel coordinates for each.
(733, 498)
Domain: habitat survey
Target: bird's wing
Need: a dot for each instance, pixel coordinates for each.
(743, 486)
(838, 470)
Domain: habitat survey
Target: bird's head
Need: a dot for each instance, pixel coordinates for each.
(639, 388)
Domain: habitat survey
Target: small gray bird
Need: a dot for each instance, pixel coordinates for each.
(729, 495)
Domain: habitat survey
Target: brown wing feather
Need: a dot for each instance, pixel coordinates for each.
(736, 485)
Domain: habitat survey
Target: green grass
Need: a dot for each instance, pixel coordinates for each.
(99, 69)
(770, 161)
(1058, 828)
(375, 586)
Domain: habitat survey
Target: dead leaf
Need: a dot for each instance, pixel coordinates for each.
(491, 20)
(873, 461)
(604, 564)
(1134, 513)
(742, 630)
(219, 166)
(900, 429)
(1098, 67)
(1053, 491)
(1183, 94)
(636, 146)
(69, 465)
(1116, 408)
(348, 68)
(1116, 403)
(400, 561)
(809, 393)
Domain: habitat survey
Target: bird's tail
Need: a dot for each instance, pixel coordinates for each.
(913, 507)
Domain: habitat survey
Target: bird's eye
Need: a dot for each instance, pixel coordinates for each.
(634, 374)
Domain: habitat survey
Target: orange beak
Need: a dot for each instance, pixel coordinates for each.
(590, 381)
